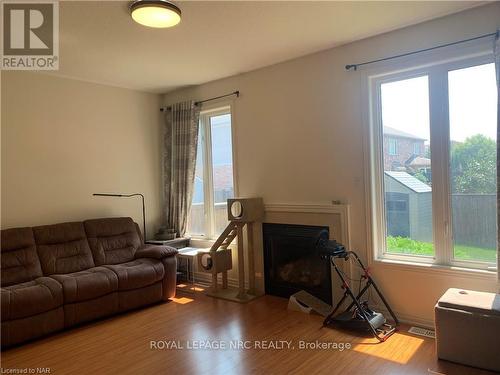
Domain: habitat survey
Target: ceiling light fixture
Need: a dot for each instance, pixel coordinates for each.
(155, 13)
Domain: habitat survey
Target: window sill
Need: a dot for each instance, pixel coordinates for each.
(437, 269)
(201, 242)
(205, 243)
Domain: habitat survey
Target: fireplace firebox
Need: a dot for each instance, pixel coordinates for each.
(292, 262)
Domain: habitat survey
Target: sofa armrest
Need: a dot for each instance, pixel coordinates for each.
(166, 255)
(155, 252)
(170, 279)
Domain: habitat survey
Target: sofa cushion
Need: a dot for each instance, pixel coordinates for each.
(63, 248)
(88, 284)
(30, 298)
(112, 240)
(138, 273)
(19, 259)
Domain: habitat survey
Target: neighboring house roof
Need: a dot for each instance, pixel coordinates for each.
(409, 181)
(223, 177)
(401, 134)
(223, 180)
(420, 161)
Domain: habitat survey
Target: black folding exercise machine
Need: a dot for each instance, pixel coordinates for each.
(357, 315)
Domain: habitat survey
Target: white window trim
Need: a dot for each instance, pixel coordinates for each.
(427, 64)
(219, 108)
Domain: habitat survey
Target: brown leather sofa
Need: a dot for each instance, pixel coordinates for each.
(58, 276)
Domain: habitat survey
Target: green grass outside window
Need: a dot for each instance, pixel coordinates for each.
(405, 245)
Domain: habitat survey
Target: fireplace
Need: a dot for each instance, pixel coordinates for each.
(292, 262)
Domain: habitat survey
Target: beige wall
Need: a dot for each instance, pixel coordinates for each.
(299, 131)
(63, 140)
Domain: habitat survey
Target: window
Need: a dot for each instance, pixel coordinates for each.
(440, 207)
(213, 183)
(472, 101)
(392, 145)
(405, 109)
(416, 149)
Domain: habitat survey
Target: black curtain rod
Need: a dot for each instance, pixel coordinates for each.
(355, 66)
(237, 93)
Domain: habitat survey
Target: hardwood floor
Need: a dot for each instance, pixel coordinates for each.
(122, 344)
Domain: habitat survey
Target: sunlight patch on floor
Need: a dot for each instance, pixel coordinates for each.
(394, 353)
(181, 300)
(190, 288)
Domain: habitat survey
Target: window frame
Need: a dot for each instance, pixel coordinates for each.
(437, 73)
(205, 133)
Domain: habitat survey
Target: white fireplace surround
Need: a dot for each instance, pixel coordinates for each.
(340, 210)
(333, 216)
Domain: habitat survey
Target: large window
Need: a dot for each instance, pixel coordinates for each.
(214, 175)
(435, 199)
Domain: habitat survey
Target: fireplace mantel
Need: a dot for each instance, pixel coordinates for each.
(334, 209)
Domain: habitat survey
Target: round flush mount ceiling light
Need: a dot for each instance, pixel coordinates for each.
(155, 13)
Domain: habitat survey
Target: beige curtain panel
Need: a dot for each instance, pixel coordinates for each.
(179, 161)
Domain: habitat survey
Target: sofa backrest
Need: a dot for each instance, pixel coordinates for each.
(19, 261)
(63, 248)
(112, 240)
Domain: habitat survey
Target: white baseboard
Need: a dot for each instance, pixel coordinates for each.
(415, 320)
(407, 318)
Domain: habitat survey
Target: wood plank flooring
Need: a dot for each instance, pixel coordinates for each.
(122, 344)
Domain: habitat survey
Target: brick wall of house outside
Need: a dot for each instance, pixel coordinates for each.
(404, 150)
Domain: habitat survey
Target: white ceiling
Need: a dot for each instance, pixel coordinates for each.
(99, 42)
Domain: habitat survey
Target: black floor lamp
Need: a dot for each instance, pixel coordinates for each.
(127, 196)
